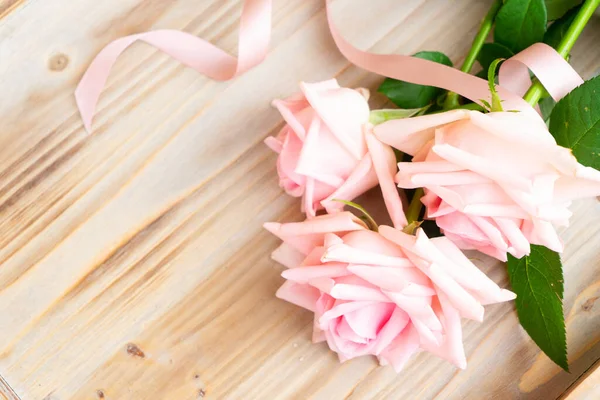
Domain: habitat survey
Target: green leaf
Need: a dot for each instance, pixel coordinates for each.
(575, 122)
(487, 105)
(490, 52)
(380, 116)
(558, 8)
(538, 282)
(546, 106)
(496, 102)
(410, 95)
(370, 221)
(520, 23)
(557, 30)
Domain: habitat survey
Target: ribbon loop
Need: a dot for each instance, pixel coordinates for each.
(553, 71)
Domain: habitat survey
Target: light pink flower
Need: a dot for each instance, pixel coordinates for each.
(388, 294)
(494, 182)
(325, 152)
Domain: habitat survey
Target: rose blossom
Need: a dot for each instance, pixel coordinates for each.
(388, 294)
(493, 182)
(324, 153)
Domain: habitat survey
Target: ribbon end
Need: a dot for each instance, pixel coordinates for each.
(87, 125)
(86, 119)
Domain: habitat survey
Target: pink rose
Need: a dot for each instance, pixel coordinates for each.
(324, 153)
(493, 182)
(388, 294)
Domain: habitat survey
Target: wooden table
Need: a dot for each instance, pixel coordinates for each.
(133, 262)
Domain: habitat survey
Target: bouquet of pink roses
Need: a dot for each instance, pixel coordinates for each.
(493, 180)
(489, 162)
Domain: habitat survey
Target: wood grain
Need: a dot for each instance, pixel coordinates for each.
(587, 386)
(6, 391)
(134, 265)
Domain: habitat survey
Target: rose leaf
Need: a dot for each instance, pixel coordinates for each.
(575, 122)
(558, 29)
(410, 95)
(520, 23)
(558, 8)
(490, 52)
(537, 280)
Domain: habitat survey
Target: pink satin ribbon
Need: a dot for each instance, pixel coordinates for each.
(553, 71)
(253, 45)
(557, 76)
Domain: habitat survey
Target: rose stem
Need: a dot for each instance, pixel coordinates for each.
(414, 208)
(536, 91)
(451, 101)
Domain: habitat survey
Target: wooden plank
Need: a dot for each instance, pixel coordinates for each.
(587, 386)
(134, 264)
(6, 392)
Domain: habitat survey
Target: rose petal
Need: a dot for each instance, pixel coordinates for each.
(296, 113)
(515, 128)
(331, 239)
(480, 165)
(344, 291)
(274, 144)
(463, 225)
(384, 162)
(301, 295)
(542, 233)
(410, 134)
(511, 229)
(307, 273)
(318, 335)
(344, 307)
(288, 256)
(401, 349)
(462, 300)
(344, 111)
(585, 183)
(348, 254)
(451, 348)
(483, 247)
(362, 179)
(314, 257)
(491, 230)
(448, 178)
(323, 284)
(345, 331)
(369, 320)
(418, 308)
(305, 236)
(469, 276)
(392, 328)
(323, 158)
(411, 168)
(394, 279)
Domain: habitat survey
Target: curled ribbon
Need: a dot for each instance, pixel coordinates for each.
(555, 73)
(253, 44)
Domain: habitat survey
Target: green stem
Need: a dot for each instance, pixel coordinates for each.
(414, 208)
(484, 30)
(451, 101)
(536, 91)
